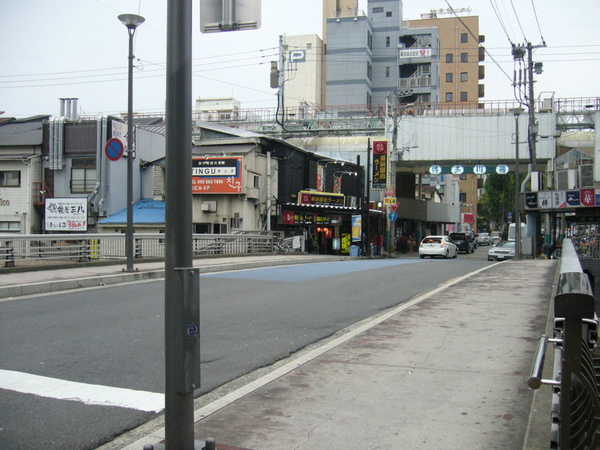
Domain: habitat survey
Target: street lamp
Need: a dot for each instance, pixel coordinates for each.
(131, 21)
(516, 112)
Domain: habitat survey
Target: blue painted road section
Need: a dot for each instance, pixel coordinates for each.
(309, 272)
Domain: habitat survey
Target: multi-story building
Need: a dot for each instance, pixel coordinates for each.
(303, 72)
(458, 53)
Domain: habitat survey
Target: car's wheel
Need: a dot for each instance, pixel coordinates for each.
(455, 254)
(422, 256)
(447, 254)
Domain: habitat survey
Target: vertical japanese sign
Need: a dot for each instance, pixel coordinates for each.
(320, 178)
(380, 155)
(66, 214)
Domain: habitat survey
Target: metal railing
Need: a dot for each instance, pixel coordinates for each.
(22, 250)
(576, 377)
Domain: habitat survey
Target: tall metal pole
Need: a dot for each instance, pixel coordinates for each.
(182, 366)
(516, 112)
(131, 21)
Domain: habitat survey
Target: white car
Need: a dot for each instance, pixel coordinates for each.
(437, 246)
(501, 251)
(483, 239)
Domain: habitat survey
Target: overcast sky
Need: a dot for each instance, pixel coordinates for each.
(78, 48)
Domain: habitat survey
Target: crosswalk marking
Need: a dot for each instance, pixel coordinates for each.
(90, 394)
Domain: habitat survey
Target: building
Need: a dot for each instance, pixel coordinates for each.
(459, 55)
(303, 57)
(21, 174)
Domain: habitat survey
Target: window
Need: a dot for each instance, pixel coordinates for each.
(387, 41)
(464, 57)
(369, 40)
(83, 176)
(369, 100)
(448, 96)
(449, 77)
(449, 57)
(11, 227)
(462, 197)
(257, 181)
(388, 14)
(369, 71)
(464, 77)
(464, 97)
(464, 38)
(237, 223)
(10, 178)
(378, 9)
(387, 72)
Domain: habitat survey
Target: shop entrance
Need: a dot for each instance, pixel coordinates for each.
(325, 240)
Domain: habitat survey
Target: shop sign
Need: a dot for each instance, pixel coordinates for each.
(380, 155)
(65, 214)
(217, 175)
(320, 198)
(322, 219)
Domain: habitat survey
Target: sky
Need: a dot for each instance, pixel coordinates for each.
(78, 49)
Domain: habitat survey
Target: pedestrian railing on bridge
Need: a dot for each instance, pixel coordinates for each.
(576, 374)
(20, 249)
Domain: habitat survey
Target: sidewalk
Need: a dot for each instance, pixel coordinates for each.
(446, 370)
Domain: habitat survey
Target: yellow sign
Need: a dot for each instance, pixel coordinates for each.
(389, 200)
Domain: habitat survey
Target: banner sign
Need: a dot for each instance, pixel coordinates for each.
(217, 175)
(380, 155)
(576, 198)
(356, 228)
(66, 214)
(320, 198)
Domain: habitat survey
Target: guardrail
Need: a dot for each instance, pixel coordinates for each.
(576, 377)
(21, 249)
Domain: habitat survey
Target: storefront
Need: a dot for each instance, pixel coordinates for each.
(322, 219)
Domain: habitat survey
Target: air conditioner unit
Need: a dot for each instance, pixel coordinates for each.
(252, 193)
(566, 179)
(209, 206)
(586, 175)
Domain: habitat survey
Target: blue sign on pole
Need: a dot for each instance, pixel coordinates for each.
(393, 216)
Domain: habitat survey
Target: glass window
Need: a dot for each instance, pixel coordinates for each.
(462, 197)
(449, 57)
(449, 77)
(464, 97)
(10, 178)
(83, 176)
(388, 14)
(378, 9)
(387, 41)
(369, 71)
(369, 40)
(448, 96)
(10, 226)
(464, 38)
(237, 223)
(464, 57)
(387, 72)
(464, 77)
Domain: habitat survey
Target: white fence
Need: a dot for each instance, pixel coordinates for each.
(20, 248)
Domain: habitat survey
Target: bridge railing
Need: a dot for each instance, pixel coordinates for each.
(576, 378)
(23, 250)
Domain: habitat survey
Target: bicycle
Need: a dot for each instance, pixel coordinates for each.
(281, 248)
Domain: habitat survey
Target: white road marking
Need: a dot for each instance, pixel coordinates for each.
(90, 394)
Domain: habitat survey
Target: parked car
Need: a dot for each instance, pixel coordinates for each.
(463, 241)
(483, 239)
(501, 251)
(437, 246)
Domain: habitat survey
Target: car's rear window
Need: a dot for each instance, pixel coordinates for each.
(432, 240)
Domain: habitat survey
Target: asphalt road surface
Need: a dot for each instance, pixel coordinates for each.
(79, 368)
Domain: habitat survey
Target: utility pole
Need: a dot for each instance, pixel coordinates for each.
(524, 94)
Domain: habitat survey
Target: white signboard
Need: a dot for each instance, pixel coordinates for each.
(66, 214)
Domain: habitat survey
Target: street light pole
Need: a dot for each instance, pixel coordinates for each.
(516, 112)
(131, 21)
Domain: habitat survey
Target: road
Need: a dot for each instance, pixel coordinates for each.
(100, 350)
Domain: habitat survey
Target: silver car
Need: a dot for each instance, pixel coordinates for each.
(437, 246)
(483, 239)
(501, 251)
